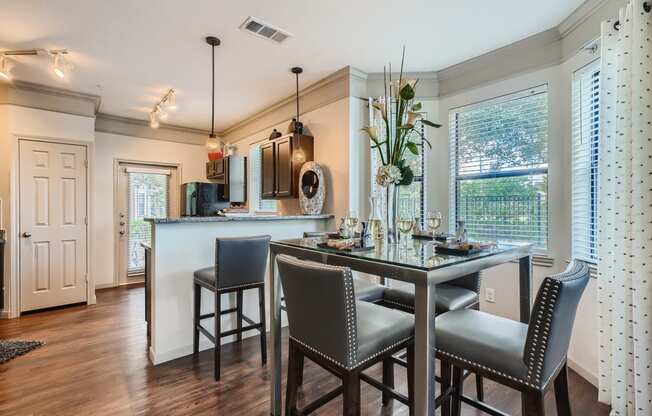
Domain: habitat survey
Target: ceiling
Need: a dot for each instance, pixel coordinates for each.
(130, 52)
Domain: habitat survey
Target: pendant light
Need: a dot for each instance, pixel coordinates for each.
(212, 143)
(296, 127)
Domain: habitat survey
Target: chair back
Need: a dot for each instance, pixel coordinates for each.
(551, 322)
(241, 261)
(470, 281)
(320, 302)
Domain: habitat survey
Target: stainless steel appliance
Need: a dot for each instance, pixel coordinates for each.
(202, 199)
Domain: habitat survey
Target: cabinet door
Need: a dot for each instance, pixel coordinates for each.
(284, 177)
(267, 157)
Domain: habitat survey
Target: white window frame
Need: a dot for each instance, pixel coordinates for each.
(585, 139)
(541, 252)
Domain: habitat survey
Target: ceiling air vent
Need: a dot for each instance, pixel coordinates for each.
(260, 28)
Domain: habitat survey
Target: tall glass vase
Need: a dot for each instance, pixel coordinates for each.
(392, 206)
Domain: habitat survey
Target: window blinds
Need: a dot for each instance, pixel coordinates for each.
(585, 142)
(499, 160)
(258, 204)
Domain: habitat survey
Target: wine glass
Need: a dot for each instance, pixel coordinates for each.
(405, 221)
(433, 221)
(351, 222)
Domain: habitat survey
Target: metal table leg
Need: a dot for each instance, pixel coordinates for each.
(275, 323)
(424, 349)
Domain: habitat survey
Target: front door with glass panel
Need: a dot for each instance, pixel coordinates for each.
(144, 191)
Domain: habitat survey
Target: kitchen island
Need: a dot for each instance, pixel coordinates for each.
(182, 245)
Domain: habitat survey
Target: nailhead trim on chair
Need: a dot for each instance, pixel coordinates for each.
(537, 346)
(491, 370)
(399, 304)
(357, 363)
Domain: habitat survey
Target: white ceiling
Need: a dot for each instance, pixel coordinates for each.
(130, 52)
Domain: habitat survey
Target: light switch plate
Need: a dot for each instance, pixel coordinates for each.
(490, 295)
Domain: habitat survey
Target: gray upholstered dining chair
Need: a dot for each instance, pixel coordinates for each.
(460, 293)
(240, 264)
(526, 357)
(341, 334)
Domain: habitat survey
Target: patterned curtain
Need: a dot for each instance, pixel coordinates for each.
(625, 213)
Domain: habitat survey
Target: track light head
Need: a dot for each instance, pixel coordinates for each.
(153, 120)
(161, 114)
(171, 101)
(5, 68)
(60, 65)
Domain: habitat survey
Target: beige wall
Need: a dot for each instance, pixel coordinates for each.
(109, 148)
(330, 127)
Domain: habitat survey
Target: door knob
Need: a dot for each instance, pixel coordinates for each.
(122, 233)
(122, 223)
(27, 235)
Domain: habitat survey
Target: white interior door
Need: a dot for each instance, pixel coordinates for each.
(144, 191)
(52, 224)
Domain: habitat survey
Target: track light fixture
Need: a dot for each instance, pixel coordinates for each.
(60, 65)
(5, 68)
(169, 103)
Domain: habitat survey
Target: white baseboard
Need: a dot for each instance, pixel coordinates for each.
(4, 314)
(204, 344)
(584, 372)
(104, 285)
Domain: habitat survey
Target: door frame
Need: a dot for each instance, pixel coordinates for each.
(14, 221)
(116, 227)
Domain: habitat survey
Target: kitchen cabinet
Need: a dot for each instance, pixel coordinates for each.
(281, 161)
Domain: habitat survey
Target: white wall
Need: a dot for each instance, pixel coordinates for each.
(583, 350)
(109, 148)
(330, 127)
(28, 123)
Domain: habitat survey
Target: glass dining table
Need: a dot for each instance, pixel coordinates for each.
(419, 264)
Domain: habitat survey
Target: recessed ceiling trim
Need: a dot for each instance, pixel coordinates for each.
(259, 28)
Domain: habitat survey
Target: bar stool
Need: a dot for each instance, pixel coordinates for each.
(460, 293)
(342, 335)
(240, 264)
(524, 357)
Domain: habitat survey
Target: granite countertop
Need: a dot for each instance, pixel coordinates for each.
(174, 220)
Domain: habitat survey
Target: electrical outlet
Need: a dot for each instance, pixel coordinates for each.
(490, 295)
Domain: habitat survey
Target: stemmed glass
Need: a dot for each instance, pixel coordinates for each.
(405, 221)
(433, 221)
(351, 222)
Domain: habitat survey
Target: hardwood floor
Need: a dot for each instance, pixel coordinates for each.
(95, 363)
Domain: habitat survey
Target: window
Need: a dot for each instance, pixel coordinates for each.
(414, 191)
(257, 204)
(499, 175)
(148, 196)
(585, 139)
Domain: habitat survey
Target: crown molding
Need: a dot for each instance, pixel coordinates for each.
(340, 84)
(580, 15)
(125, 126)
(43, 97)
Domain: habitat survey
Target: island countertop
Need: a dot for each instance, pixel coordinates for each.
(174, 220)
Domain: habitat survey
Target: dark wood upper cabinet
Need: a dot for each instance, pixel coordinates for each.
(284, 167)
(281, 161)
(268, 177)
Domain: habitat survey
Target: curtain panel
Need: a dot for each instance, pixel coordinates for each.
(625, 213)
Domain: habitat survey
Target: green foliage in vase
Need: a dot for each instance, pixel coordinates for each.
(401, 118)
